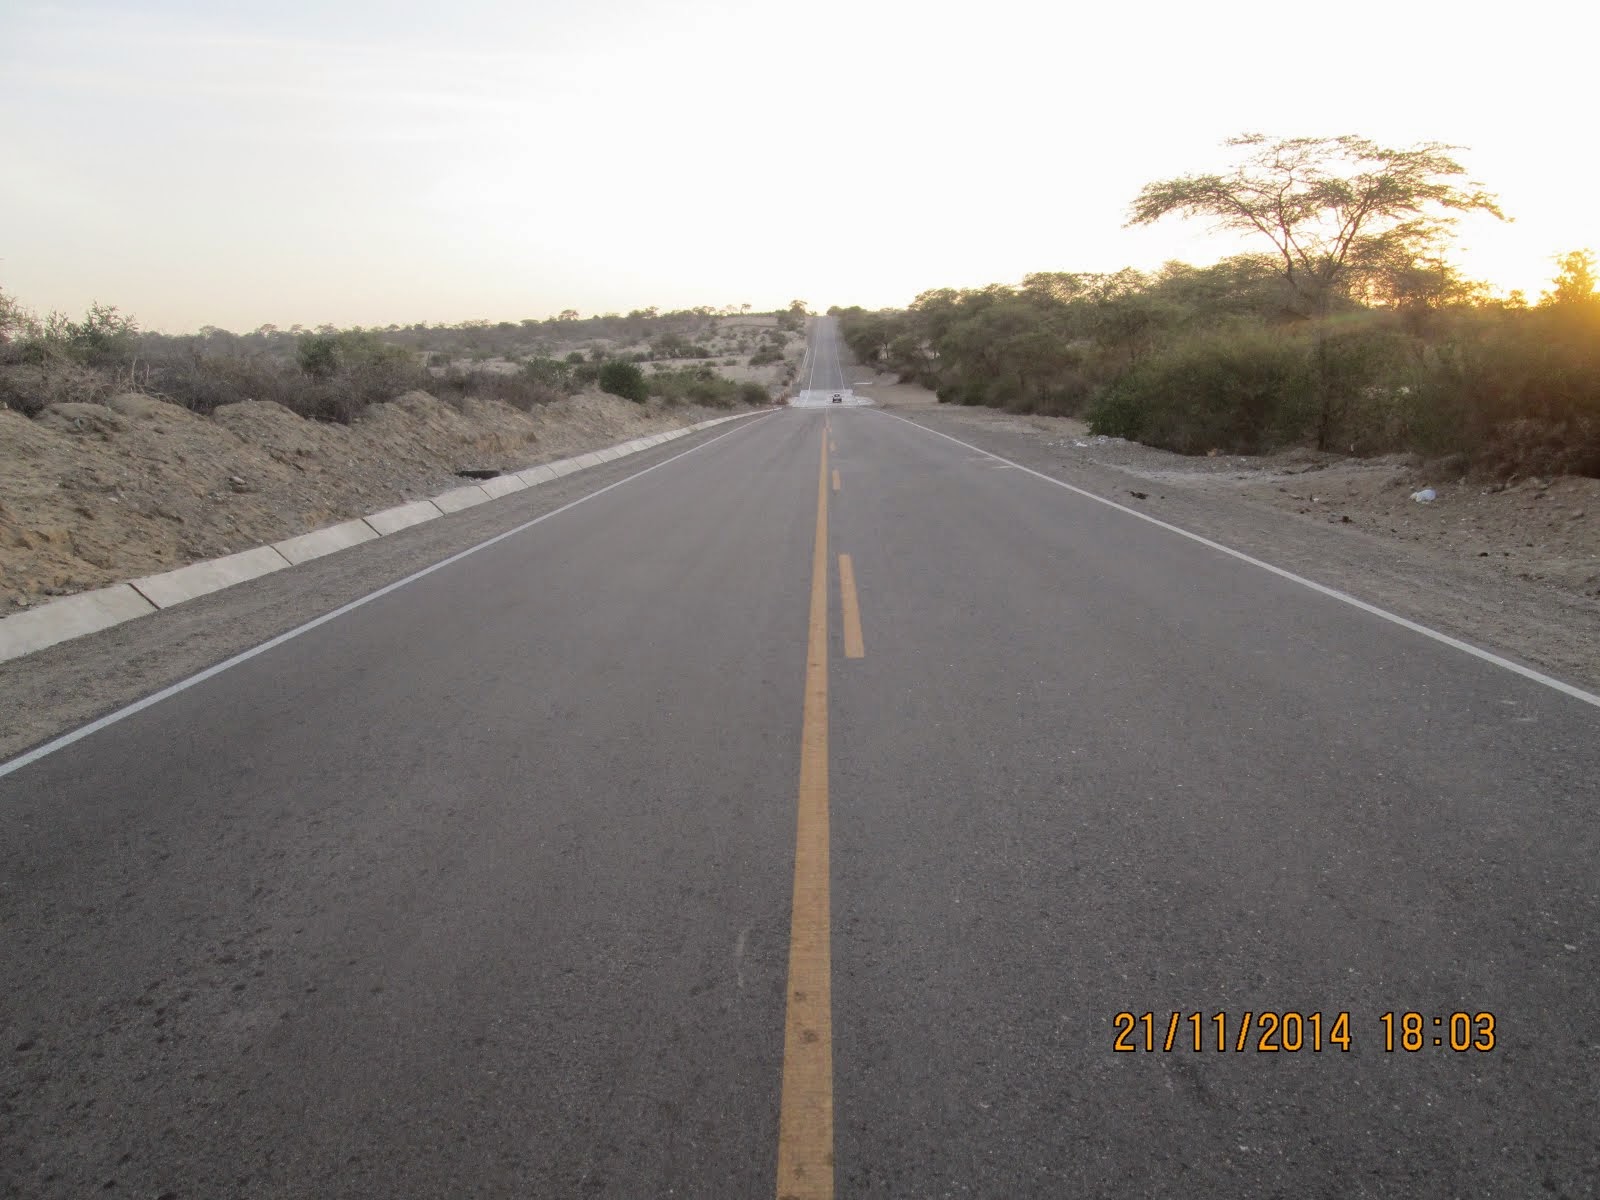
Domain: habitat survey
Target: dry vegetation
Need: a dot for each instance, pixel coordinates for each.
(696, 355)
(1351, 331)
(1213, 359)
(124, 453)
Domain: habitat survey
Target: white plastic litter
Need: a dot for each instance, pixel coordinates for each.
(1425, 496)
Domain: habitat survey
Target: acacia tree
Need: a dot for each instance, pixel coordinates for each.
(1344, 215)
(1334, 209)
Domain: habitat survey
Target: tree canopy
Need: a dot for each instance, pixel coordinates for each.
(1576, 283)
(1339, 212)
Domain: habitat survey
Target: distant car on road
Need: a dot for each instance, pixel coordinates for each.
(838, 397)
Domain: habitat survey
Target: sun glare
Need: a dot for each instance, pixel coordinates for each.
(1519, 257)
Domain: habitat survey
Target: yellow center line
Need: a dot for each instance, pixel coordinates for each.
(836, 480)
(833, 446)
(853, 647)
(805, 1116)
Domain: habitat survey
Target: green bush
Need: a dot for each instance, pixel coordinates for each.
(624, 379)
(324, 355)
(104, 337)
(549, 373)
(698, 385)
(318, 355)
(1117, 412)
(1241, 393)
(968, 392)
(1518, 391)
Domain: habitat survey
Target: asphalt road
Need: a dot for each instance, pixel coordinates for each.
(490, 886)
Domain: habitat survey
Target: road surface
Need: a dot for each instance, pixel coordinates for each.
(796, 818)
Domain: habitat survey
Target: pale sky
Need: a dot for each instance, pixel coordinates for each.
(199, 162)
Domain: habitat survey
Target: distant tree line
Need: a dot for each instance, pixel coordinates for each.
(1350, 331)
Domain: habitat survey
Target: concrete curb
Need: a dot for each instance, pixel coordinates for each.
(89, 612)
(185, 583)
(402, 516)
(458, 498)
(318, 542)
(536, 475)
(502, 485)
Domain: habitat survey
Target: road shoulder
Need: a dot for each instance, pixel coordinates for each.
(1546, 625)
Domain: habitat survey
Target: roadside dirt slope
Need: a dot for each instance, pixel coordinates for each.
(92, 494)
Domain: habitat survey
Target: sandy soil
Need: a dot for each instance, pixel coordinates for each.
(91, 494)
(1514, 566)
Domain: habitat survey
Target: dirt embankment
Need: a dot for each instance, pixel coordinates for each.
(92, 494)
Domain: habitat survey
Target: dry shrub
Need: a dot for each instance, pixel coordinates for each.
(29, 388)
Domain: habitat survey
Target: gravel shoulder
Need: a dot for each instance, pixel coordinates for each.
(1513, 569)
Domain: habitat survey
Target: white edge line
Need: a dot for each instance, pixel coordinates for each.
(111, 718)
(1549, 681)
